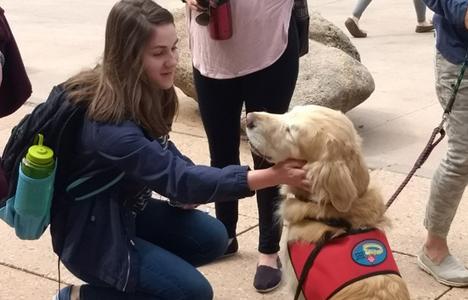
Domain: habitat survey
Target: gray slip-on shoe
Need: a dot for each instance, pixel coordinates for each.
(450, 271)
(354, 29)
(424, 28)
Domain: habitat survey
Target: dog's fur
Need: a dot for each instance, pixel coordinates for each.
(327, 140)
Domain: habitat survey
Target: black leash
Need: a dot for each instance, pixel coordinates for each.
(439, 130)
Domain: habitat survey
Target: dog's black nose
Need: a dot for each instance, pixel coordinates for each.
(250, 121)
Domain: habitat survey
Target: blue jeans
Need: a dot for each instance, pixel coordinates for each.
(171, 243)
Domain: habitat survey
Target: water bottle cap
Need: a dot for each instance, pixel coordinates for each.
(40, 154)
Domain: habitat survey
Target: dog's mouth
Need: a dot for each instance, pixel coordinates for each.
(258, 153)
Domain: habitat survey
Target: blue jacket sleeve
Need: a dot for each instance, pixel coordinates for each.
(453, 11)
(164, 169)
(171, 147)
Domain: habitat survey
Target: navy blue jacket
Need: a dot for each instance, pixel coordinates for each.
(94, 237)
(451, 34)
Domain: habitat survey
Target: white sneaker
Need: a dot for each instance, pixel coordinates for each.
(450, 271)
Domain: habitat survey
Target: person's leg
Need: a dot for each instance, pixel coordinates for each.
(360, 7)
(163, 276)
(422, 24)
(420, 9)
(220, 109)
(352, 23)
(171, 243)
(451, 177)
(271, 90)
(166, 275)
(191, 234)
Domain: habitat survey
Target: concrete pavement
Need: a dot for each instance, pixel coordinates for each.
(59, 37)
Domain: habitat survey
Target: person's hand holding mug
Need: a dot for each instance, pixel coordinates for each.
(198, 5)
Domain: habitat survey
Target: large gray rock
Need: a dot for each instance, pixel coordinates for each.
(331, 78)
(330, 74)
(325, 32)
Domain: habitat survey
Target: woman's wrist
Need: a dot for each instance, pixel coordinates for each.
(260, 179)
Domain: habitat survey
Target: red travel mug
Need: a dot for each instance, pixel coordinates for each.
(220, 25)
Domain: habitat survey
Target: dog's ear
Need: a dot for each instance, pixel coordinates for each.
(332, 181)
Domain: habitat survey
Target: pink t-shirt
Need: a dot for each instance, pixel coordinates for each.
(260, 36)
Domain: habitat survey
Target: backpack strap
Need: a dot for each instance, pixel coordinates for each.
(93, 183)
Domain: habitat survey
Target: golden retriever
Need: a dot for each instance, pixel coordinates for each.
(327, 140)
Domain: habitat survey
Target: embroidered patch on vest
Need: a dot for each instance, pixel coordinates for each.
(369, 253)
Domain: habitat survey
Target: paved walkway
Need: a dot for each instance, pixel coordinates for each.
(59, 37)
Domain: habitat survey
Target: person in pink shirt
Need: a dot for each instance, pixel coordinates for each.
(256, 67)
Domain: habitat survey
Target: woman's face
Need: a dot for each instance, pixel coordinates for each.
(160, 56)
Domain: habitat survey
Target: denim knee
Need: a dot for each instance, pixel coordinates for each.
(198, 289)
(214, 243)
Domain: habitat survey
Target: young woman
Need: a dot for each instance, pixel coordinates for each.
(121, 242)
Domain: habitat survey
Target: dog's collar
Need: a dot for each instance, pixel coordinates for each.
(334, 222)
(303, 199)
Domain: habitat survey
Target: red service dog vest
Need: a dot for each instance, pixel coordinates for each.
(342, 261)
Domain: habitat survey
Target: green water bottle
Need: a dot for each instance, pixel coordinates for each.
(36, 180)
(39, 161)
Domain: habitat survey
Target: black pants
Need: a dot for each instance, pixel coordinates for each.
(220, 102)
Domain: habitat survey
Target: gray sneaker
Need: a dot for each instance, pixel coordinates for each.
(450, 271)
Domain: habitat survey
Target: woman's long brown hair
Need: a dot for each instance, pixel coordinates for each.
(118, 89)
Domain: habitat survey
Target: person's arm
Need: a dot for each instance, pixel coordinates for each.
(194, 5)
(172, 147)
(165, 172)
(466, 20)
(287, 172)
(168, 174)
(454, 11)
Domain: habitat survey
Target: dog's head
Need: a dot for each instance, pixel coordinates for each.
(323, 137)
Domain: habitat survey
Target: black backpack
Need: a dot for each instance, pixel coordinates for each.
(59, 121)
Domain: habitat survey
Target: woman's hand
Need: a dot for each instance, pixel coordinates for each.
(189, 206)
(196, 5)
(466, 20)
(288, 172)
(182, 205)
